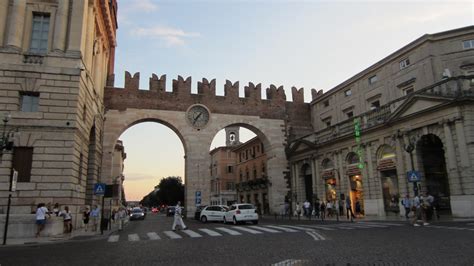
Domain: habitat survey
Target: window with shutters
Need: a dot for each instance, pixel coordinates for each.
(22, 161)
(39, 33)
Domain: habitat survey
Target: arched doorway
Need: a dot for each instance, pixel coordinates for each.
(386, 164)
(308, 181)
(329, 176)
(434, 168)
(92, 169)
(354, 174)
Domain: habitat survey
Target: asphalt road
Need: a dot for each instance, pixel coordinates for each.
(150, 242)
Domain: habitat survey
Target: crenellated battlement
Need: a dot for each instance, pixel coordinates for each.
(180, 97)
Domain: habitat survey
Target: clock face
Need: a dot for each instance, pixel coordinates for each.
(198, 116)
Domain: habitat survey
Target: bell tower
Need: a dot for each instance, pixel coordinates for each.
(232, 136)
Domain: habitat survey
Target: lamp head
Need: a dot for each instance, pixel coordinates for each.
(7, 117)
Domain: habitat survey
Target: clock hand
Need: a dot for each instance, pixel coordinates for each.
(196, 118)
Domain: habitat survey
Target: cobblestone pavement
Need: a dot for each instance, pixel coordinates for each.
(151, 242)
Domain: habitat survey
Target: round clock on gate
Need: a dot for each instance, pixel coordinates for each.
(198, 116)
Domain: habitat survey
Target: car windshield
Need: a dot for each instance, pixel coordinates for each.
(136, 210)
(246, 207)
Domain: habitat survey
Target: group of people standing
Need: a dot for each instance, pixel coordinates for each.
(423, 208)
(330, 208)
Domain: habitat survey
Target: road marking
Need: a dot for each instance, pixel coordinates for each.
(248, 230)
(210, 232)
(264, 229)
(282, 228)
(153, 236)
(191, 233)
(172, 234)
(289, 262)
(345, 228)
(381, 223)
(113, 238)
(133, 237)
(318, 227)
(315, 236)
(298, 227)
(319, 235)
(229, 231)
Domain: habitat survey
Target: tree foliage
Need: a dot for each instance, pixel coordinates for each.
(169, 191)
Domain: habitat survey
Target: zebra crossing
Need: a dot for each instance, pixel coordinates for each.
(313, 231)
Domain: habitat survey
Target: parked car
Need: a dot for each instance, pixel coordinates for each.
(197, 213)
(170, 211)
(213, 213)
(137, 214)
(240, 213)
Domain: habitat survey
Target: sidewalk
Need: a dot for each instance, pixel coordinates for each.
(75, 235)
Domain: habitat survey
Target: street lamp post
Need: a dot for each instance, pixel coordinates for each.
(409, 148)
(5, 145)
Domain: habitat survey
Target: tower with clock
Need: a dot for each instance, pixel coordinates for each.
(232, 136)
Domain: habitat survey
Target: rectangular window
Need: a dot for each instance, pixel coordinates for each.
(373, 79)
(39, 33)
(375, 105)
(348, 92)
(468, 44)
(404, 63)
(327, 121)
(230, 186)
(350, 114)
(29, 101)
(230, 169)
(408, 90)
(326, 103)
(22, 162)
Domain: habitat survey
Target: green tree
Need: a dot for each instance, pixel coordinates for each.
(169, 191)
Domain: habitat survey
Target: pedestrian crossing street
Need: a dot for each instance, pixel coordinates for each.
(313, 231)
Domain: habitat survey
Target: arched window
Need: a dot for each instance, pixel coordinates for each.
(385, 152)
(352, 158)
(327, 164)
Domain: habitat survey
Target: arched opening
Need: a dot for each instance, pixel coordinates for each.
(152, 164)
(432, 158)
(388, 175)
(330, 181)
(308, 181)
(238, 168)
(354, 174)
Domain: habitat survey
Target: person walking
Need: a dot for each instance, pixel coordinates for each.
(418, 210)
(329, 208)
(122, 214)
(298, 210)
(67, 220)
(306, 206)
(358, 208)
(41, 212)
(322, 210)
(341, 207)
(85, 218)
(177, 217)
(406, 202)
(94, 216)
(349, 211)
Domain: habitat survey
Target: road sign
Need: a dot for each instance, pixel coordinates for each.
(14, 180)
(99, 189)
(413, 176)
(198, 198)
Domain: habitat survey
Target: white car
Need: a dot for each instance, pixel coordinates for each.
(239, 213)
(213, 213)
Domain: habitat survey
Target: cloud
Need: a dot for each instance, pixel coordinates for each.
(146, 6)
(171, 36)
(138, 177)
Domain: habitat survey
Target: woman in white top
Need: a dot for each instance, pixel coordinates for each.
(41, 212)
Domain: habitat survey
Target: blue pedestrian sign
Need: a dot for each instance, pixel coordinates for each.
(198, 198)
(99, 189)
(413, 176)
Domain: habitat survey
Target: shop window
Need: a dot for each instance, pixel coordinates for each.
(39, 33)
(22, 162)
(390, 191)
(29, 101)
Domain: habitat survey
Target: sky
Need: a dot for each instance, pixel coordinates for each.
(306, 44)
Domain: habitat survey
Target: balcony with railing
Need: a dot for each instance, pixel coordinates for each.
(455, 88)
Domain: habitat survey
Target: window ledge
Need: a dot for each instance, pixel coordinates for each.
(33, 59)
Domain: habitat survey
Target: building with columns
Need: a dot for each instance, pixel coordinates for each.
(411, 111)
(55, 59)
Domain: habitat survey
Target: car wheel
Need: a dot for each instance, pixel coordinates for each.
(204, 219)
(255, 222)
(235, 221)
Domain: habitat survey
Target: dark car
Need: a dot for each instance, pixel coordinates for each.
(170, 211)
(197, 213)
(137, 214)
